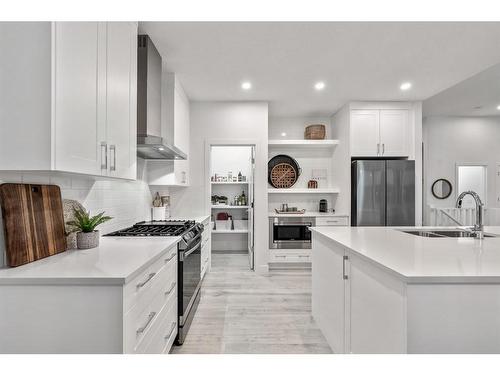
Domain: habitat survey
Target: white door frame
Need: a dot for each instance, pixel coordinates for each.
(207, 190)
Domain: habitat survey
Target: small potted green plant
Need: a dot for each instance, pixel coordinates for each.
(84, 226)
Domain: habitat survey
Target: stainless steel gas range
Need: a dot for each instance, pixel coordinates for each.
(189, 264)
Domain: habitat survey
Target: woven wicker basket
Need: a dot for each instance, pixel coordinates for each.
(316, 131)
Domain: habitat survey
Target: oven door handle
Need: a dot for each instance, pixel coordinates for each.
(184, 254)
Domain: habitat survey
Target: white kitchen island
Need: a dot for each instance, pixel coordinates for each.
(379, 290)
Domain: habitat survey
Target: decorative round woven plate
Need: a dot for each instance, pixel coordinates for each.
(283, 176)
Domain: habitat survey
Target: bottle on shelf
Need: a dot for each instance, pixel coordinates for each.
(243, 199)
(240, 177)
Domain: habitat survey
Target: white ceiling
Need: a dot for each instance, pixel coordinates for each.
(358, 61)
(476, 96)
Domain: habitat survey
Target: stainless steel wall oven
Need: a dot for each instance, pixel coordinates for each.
(290, 232)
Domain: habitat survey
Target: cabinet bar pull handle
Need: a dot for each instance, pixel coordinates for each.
(383, 148)
(378, 148)
(150, 318)
(344, 275)
(150, 276)
(172, 327)
(170, 257)
(172, 286)
(104, 160)
(112, 148)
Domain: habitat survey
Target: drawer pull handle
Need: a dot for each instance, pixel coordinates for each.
(172, 286)
(150, 318)
(170, 257)
(280, 256)
(151, 275)
(172, 327)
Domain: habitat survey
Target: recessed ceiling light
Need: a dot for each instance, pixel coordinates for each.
(319, 85)
(246, 85)
(283, 134)
(405, 86)
(498, 107)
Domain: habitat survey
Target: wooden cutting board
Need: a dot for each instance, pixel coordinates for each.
(33, 222)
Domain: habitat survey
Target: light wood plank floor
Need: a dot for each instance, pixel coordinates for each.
(243, 312)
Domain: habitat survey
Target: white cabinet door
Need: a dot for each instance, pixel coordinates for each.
(365, 132)
(328, 291)
(394, 132)
(181, 134)
(121, 78)
(375, 310)
(78, 131)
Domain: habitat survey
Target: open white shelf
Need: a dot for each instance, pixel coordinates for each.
(229, 231)
(303, 191)
(226, 207)
(229, 183)
(303, 143)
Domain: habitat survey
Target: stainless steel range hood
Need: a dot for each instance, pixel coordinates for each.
(150, 144)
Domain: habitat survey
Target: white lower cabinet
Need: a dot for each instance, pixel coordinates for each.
(290, 256)
(206, 246)
(358, 307)
(151, 300)
(333, 221)
(93, 316)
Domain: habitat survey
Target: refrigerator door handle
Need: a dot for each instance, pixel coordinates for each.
(383, 148)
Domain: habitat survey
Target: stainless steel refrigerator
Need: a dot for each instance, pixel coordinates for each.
(383, 193)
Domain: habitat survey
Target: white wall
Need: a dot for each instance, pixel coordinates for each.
(226, 122)
(294, 127)
(231, 158)
(462, 140)
(126, 201)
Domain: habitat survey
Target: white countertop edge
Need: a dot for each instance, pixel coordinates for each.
(372, 261)
(414, 280)
(307, 214)
(85, 280)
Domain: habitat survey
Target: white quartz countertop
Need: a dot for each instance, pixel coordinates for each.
(422, 259)
(116, 261)
(307, 214)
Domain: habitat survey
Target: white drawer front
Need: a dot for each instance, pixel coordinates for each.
(141, 288)
(332, 221)
(290, 256)
(141, 322)
(163, 333)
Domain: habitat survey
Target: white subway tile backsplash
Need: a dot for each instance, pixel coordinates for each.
(126, 201)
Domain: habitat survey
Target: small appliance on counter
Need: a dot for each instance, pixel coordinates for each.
(323, 205)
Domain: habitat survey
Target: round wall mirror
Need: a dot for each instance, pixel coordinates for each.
(441, 189)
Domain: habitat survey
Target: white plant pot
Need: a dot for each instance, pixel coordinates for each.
(87, 240)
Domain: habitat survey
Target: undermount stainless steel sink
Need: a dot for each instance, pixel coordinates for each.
(445, 233)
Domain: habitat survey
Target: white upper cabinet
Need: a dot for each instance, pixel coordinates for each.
(365, 132)
(175, 129)
(394, 132)
(380, 133)
(88, 94)
(76, 113)
(121, 103)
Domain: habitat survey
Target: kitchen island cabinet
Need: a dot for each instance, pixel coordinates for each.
(118, 298)
(380, 290)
